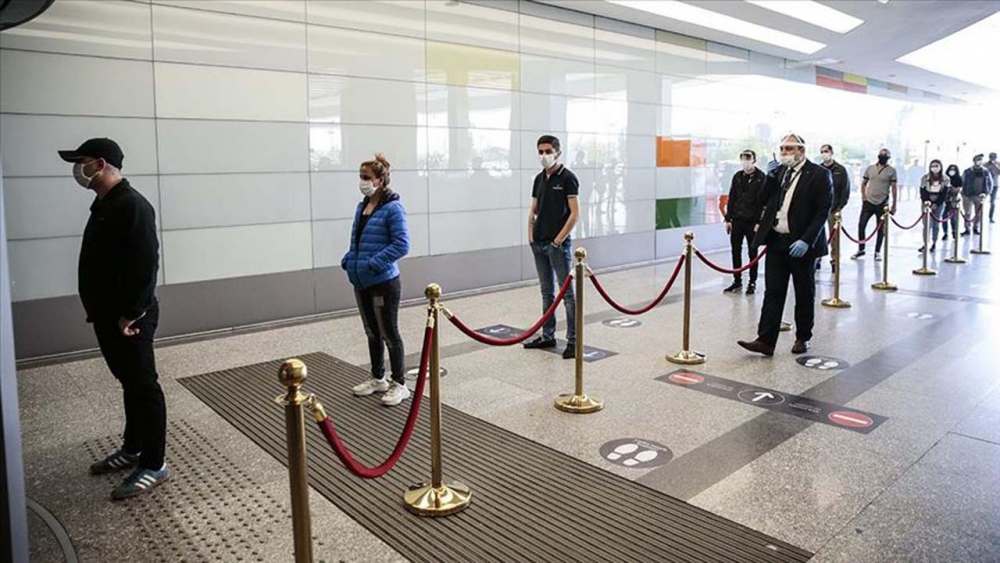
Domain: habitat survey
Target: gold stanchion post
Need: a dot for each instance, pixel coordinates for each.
(436, 498)
(686, 356)
(579, 402)
(924, 270)
(836, 302)
(982, 229)
(293, 374)
(955, 258)
(884, 285)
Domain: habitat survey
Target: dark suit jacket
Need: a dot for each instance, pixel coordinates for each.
(808, 210)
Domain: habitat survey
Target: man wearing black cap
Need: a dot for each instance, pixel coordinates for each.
(119, 260)
(743, 210)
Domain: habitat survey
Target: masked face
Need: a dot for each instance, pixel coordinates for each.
(80, 174)
(883, 158)
(748, 165)
(977, 163)
(827, 156)
(367, 185)
(791, 155)
(935, 169)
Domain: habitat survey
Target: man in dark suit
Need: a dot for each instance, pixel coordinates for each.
(798, 196)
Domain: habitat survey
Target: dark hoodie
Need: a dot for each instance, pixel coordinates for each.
(931, 182)
(955, 179)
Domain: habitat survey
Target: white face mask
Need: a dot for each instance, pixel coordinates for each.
(787, 160)
(548, 160)
(80, 177)
(826, 156)
(748, 165)
(367, 188)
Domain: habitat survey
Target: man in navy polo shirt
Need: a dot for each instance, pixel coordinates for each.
(554, 211)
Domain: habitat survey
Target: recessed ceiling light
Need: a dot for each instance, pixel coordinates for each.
(680, 11)
(811, 12)
(959, 54)
(892, 76)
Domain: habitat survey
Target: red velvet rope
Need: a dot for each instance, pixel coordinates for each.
(482, 338)
(647, 308)
(946, 219)
(833, 235)
(878, 228)
(919, 219)
(344, 455)
(722, 270)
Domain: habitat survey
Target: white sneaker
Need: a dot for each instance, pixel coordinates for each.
(371, 386)
(878, 257)
(396, 394)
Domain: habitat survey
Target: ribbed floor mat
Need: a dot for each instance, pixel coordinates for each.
(529, 502)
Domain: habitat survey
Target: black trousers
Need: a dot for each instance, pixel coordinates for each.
(803, 273)
(132, 361)
(869, 210)
(743, 231)
(379, 307)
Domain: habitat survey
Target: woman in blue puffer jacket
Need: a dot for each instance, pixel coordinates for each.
(378, 239)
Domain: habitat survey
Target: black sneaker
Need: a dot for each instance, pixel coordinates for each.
(570, 352)
(965, 233)
(118, 461)
(540, 342)
(921, 249)
(141, 481)
(945, 237)
(751, 289)
(735, 288)
(857, 255)
(933, 247)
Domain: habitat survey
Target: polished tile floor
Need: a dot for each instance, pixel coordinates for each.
(924, 485)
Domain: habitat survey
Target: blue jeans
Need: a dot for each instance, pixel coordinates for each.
(555, 262)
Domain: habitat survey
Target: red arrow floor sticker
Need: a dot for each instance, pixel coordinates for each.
(852, 419)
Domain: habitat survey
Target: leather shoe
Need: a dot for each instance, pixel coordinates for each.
(800, 347)
(757, 346)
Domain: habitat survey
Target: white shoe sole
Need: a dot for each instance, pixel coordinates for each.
(395, 402)
(370, 391)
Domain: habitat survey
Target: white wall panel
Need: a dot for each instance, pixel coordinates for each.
(470, 24)
(222, 200)
(30, 142)
(474, 190)
(230, 252)
(343, 99)
(291, 10)
(73, 85)
(105, 29)
(229, 93)
(198, 36)
(200, 147)
(43, 268)
(335, 195)
(345, 147)
(395, 17)
(367, 54)
(474, 230)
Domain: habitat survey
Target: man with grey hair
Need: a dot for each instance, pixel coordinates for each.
(878, 183)
(798, 197)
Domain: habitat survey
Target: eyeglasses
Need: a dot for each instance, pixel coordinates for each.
(789, 148)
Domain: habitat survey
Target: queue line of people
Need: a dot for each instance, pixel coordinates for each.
(788, 208)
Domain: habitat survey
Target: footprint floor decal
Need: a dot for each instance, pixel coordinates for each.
(822, 363)
(636, 453)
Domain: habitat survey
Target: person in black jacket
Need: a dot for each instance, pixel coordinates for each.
(934, 189)
(119, 260)
(841, 187)
(798, 197)
(953, 205)
(742, 213)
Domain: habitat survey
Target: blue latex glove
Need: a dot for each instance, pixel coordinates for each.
(798, 249)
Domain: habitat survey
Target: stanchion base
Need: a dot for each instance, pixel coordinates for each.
(925, 272)
(835, 303)
(426, 500)
(687, 358)
(975, 251)
(579, 404)
(955, 260)
(885, 286)
(784, 326)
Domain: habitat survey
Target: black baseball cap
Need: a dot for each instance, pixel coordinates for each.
(749, 153)
(101, 147)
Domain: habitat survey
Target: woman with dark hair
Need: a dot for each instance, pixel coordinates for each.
(953, 203)
(934, 188)
(379, 239)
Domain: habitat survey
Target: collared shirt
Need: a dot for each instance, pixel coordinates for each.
(880, 179)
(791, 176)
(553, 193)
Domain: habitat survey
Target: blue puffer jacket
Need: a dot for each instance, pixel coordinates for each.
(384, 240)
